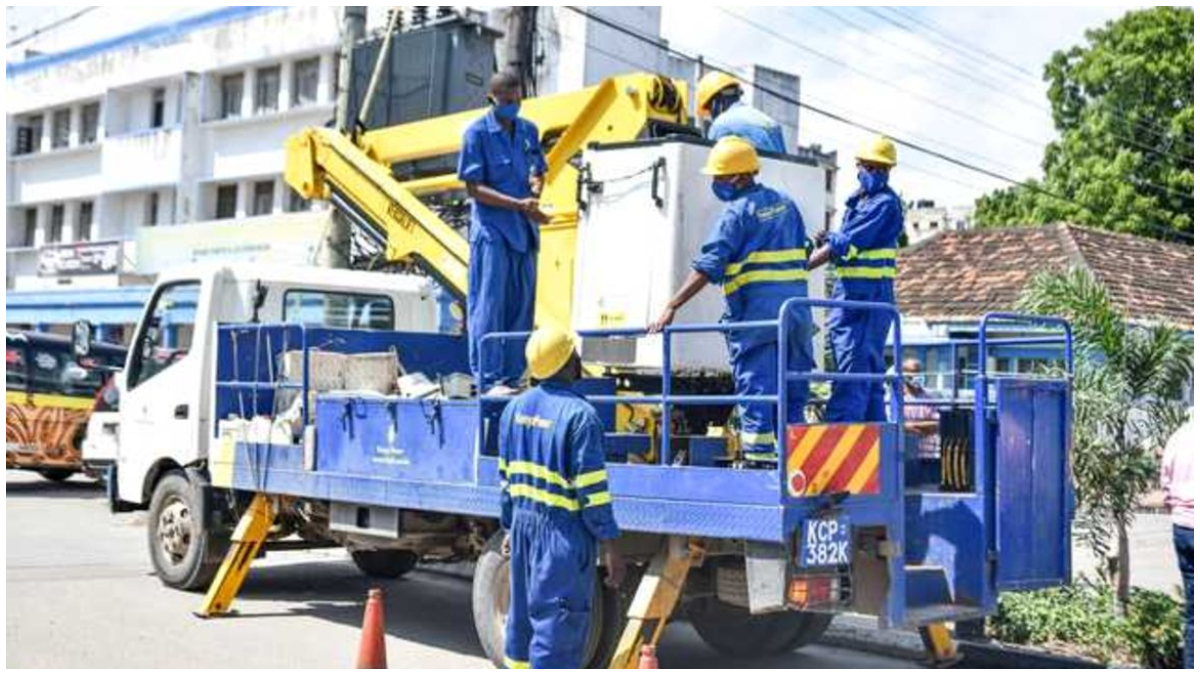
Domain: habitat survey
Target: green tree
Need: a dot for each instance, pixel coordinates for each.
(1129, 379)
(1124, 107)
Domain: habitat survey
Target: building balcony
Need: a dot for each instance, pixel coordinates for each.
(142, 159)
(54, 175)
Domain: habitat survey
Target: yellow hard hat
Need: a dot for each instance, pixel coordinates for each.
(878, 149)
(709, 85)
(548, 350)
(731, 155)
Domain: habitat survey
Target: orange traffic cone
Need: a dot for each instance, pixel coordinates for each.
(371, 651)
(649, 658)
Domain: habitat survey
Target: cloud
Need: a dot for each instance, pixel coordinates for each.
(916, 96)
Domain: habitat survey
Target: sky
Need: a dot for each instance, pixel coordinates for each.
(907, 71)
(885, 68)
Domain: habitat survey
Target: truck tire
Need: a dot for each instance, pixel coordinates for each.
(734, 631)
(185, 553)
(489, 599)
(56, 475)
(385, 563)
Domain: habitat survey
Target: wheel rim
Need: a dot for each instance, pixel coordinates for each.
(175, 530)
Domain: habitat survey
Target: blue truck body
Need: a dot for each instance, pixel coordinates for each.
(941, 549)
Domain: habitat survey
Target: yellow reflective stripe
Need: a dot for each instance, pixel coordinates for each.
(537, 471)
(875, 254)
(503, 466)
(759, 457)
(752, 438)
(782, 255)
(542, 496)
(598, 499)
(764, 275)
(513, 664)
(591, 478)
(866, 272)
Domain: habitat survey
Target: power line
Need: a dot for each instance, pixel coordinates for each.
(621, 28)
(48, 27)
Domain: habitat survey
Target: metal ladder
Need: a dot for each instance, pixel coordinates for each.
(657, 596)
(248, 538)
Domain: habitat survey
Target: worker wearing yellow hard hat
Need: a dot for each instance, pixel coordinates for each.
(718, 99)
(757, 253)
(863, 256)
(554, 507)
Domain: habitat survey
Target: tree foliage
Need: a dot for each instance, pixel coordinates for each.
(1124, 107)
(1129, 381)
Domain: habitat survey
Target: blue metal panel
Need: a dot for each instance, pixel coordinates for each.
(1032, 534)
(947, 531)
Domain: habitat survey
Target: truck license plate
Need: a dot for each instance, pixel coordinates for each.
(826, 543)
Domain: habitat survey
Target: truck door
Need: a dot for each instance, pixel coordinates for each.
(1032, 484)
(161, 405)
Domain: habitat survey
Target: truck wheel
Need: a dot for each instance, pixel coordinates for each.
(185, 555)
(490, 596)
(736, 632)
(57, 475)
(385, 563)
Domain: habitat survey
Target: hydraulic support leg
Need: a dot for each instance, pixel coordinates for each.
(939, 645)
(249, 536)
(656, 598)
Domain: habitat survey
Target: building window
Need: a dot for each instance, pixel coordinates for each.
(266, 90)
(304, 81)
(57, 215)
(29, 135)
(152, 209)
(227, 200)
(231, 95)
(158, 108)
(296, 202)
(264, 198)
(90, 123)
(30, 227)
(83, 230)
(60, 130)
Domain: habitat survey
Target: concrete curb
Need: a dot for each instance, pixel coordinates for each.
(860, 634)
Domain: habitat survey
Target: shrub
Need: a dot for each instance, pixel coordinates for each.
(1152, 629)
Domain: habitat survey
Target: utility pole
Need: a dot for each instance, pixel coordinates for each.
(354, 28)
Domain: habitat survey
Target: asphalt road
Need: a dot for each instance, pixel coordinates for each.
(80, 594)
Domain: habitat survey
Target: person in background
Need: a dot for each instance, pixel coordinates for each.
(920, 418)
(719, 99)
(1178, 482)
(503, 166)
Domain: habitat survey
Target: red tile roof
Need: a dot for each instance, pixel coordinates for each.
(963, 275)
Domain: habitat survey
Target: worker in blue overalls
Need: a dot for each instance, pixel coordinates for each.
(758, 254)
(863, 256)
(555, 507)
(719, 99)
(503, 165)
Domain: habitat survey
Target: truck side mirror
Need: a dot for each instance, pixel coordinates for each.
(81, 338)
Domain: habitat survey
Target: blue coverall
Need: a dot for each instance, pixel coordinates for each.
(758, 253)
(555, 505)
(864, 267)
(502, 270)
(750, 123)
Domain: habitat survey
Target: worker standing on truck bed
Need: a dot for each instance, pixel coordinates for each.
(863, 255)
(503, 165)
(555, 506)
(719, 98)
(758, 253)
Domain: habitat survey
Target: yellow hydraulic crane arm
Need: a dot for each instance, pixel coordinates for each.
(325, 164)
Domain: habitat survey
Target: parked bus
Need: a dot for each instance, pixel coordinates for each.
(49, 397)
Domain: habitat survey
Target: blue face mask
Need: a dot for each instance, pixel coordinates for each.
(724, 190)
(872, 181)
(507, 111)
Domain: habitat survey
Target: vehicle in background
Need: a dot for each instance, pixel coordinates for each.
(49, 396)
(100, 440)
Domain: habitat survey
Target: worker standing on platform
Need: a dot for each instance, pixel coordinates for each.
(758, 253)
(503, 165)
(863, 256)
(719, 99)
(555, 507)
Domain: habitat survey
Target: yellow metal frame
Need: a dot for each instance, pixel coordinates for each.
(618, 109)
(249, 536)
(657, 596)
(940, 646)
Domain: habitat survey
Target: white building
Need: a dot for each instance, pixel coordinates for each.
(179, 122)
(924, 218)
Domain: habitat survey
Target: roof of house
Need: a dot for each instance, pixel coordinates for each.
(964, 275)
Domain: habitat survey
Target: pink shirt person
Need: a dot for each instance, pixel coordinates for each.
(1177, 474)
